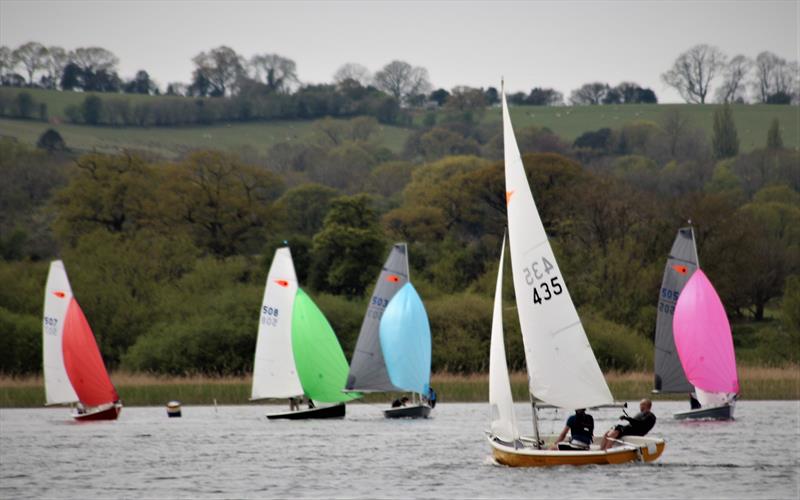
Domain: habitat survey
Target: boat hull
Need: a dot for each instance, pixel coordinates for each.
(724, 412)
(100, 413)
(335, 411)
(635, 449)
(418, 411)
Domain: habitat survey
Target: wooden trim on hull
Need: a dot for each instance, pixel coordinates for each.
(419, 411)
(335, 411)
(724, 412)
(529, 457)
(110, 413)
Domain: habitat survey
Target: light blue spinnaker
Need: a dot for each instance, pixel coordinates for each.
(406, 341)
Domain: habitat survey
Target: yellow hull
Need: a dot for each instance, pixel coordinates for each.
(636, 450)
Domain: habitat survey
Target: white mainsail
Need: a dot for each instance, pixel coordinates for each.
(57, 296)
(562, 367)
(274, 370)
(504, 422)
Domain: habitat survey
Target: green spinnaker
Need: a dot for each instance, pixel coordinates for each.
(320, 362)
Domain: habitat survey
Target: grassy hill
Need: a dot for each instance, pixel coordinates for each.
(567, 121)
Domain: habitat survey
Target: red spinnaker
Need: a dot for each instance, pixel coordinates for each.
(82, 360)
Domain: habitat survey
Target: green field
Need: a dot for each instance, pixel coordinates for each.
(752, 121)
(170, 142)
(142, 390)
(568, 122)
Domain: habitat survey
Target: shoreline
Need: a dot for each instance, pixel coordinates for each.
(757, 383)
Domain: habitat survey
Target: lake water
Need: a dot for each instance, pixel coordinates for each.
(233, 451)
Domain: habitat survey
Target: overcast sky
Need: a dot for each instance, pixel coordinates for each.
(539, 43)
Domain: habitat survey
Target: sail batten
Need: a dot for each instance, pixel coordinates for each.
(562, 368)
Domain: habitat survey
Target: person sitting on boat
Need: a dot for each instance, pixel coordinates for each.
(397, 403)
(294, 404)
(693, 402)
(311, 404)
(581, 428)
(638, 425)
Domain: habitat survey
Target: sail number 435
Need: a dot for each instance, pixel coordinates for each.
(537, 275)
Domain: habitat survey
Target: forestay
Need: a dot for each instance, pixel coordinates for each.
(367, 368)
(504, 422)
(562, 367)
(405, 337)
(274, 370)
(681, 265)
(703, 338)
(321, 364)
(57, 297)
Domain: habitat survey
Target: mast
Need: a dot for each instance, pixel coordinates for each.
(535, 417)
(694, 243)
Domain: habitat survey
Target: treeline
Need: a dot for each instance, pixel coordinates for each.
(168, 259)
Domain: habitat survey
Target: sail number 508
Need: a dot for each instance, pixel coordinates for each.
(547, 287)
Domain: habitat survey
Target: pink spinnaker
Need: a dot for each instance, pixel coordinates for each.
(703, 337)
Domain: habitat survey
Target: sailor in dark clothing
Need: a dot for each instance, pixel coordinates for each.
(399, 402)
(581, 427)
(638, 425)
(693, 402)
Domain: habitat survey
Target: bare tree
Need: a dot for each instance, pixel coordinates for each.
(221, 68)
(277, 72)
(734, 75)
(402, 80)
(774, 75)
(57, 59)
(589, 93)
(675, 125)
(94, 59)
(353, 71)
(6, 61)
(32, 56)
(693, 71)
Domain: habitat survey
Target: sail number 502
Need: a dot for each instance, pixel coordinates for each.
(537, 275)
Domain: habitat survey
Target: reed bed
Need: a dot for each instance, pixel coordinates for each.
(145, 390)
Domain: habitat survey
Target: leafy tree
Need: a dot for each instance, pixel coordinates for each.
(92, 109)
(492, 96)
(304, 208)
(774, 139)
(223, 204)
(439, 96)
(57, 59)
(72, 77)
(348, 251)
(590, 93)
(543, 97)
(725, 140)
(693, 71)
(141, 84)
(24, 104)
(466, 105)
(51, 141)
(598, 140)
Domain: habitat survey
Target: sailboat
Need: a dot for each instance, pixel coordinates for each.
(563, 371)
(705, 346)
(297, 353)
(74, 372)
(393, 350)
(670, 376)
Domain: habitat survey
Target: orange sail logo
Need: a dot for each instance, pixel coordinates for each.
(680, 269)
(392, 278)
(282, 283)
(60, 295)
(509, 194)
